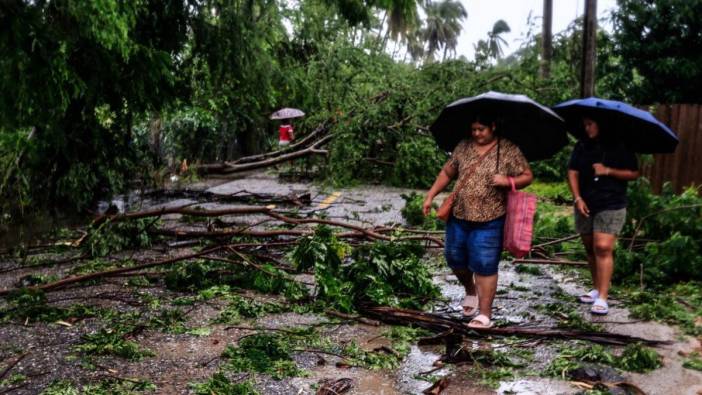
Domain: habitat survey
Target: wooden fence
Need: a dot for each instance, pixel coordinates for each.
(683, 167)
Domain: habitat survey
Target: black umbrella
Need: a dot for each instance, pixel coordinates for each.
(639, 129)
(534, 128)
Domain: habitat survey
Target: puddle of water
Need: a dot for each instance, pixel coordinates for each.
(417, 361)
(374, 384)
(535, 386)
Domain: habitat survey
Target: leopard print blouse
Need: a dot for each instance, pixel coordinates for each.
(478, 200)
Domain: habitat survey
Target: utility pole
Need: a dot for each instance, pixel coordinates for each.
(546, 40)
(587, 75)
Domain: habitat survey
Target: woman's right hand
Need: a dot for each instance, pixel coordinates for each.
(426, 206)
(581, 206)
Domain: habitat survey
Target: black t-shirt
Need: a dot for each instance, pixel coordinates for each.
(605, 193)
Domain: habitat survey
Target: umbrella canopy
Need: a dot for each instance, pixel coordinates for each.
(534, 128)
(286, 113)
(639, 129)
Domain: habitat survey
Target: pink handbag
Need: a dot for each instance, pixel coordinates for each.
(519, 221)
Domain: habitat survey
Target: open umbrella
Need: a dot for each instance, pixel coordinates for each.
(534, 128)
(639, 129)
(286, 113)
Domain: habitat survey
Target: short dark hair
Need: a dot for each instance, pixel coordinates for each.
(484, 119)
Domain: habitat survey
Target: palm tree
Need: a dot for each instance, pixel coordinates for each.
(546, 40)
(495, 41)
(443, 26)
(414, 43)
(402, 17)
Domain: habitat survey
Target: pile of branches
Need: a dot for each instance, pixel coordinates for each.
(242, 235)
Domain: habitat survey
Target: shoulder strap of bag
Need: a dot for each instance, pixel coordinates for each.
(497, 163)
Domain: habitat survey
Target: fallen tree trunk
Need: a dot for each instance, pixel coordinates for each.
(320, 130)
(227, 233)
(230, 167)
(112, 272)
(237, 197)
(439, 323)
(196, 212)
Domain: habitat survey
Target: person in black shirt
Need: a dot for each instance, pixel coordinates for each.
(598, 172)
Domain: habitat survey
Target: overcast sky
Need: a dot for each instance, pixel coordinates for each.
(482, 14)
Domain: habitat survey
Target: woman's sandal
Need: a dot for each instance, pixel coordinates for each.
(470, 305)
(589, 298)
(600, 307)
(481, 321)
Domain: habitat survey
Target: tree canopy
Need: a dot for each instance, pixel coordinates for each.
(100, 96)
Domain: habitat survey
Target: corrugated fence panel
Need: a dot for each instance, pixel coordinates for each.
(681, 168)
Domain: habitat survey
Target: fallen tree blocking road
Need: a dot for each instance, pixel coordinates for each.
(455, 326)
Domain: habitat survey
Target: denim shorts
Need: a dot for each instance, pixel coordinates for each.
(476, 246)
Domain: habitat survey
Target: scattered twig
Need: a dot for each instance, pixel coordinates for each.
(112, 272)
(12, 365)
(345, 316)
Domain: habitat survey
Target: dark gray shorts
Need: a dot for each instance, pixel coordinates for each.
(608, 221)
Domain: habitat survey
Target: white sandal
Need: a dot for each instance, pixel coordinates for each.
(470, 305)
(481, 321)
(589, 298)
(600, 307)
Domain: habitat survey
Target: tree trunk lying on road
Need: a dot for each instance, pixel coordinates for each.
(456, 326)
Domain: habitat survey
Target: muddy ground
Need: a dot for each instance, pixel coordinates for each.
(48, 350)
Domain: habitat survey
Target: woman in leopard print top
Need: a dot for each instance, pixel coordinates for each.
(482, 165)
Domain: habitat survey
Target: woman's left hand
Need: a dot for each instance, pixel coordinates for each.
(500, 180)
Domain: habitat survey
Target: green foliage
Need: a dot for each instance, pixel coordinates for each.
(530, 269)
(264, 353)
(205, 275)
(418, 162)
(634, 358)
(194, 275)
(693, 361)
(637, 358)
(568, 316)
(31, 304)
(656, 40)
(220, 384)
(111, 341)
(403, 337)
(412, 213)
(552, 221)
(12, 380)
(109, 237)
(492, 377)
(392, 274)
(104, 387)
(171, 321)
(680, 305)
(368, 359)
(552, 192)
(239, 307)
(78, 72)
(674, 222)
(384, 273)
(321, 248)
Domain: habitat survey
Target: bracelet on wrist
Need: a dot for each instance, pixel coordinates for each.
(577, 199)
